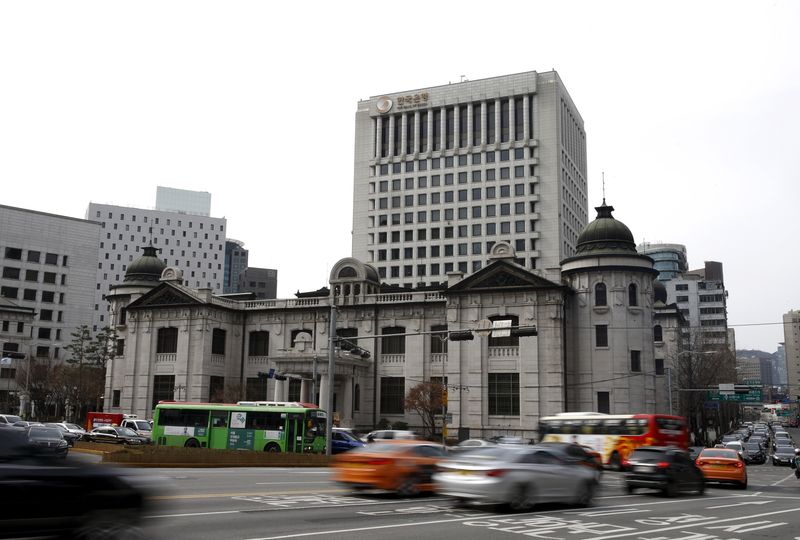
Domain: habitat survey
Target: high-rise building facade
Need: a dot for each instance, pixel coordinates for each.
(263, 282)
(235, 262)
(702, 298)
(49, 264)
(444, 173)
(192, 243)
(670, 259)
(183, 200)
(791, 348)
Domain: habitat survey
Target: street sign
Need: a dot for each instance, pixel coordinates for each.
(501, 328)
(753, 396)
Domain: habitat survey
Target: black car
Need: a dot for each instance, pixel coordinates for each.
(47, 441)
(67, 434)
(45, 497)
(118, 435)
(755, 453)
(783, 455)
(664, 468)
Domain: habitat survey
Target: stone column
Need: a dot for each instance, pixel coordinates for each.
(498, 113)
(279, 394)
(526, 118)
(305, 388)
(392, 120)
(403, 134)
(324, 387)
(416, 148)
(429, 147)
(470, 142)
(456, 126)
(512, 125)
(483, 124)
(378, 131)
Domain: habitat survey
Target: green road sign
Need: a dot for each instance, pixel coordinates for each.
(753, 396)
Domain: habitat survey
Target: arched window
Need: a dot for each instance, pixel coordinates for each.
(633, 299)
(658, 334)
(347, 272)
(600, 295)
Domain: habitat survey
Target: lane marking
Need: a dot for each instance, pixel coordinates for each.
(781, 481)
(193, 515)
(238, 494)
(288, 483)
(737, 504)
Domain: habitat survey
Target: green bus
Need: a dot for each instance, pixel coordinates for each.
(248, 425)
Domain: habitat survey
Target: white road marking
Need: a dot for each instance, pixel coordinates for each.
(193, 515)
(781, 481)
(737, 504)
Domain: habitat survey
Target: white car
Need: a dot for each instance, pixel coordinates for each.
(390, 434)
(73, 428)
(739, 447)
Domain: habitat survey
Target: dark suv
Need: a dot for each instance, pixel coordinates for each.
(665, 468)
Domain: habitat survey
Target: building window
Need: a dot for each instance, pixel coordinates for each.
(632, 295)
(393, 393)
(393, 344)
(636, 360)
(10, 272)
(256, 389)
(600, 298)
(294, 387)
(356, 397)
(659, 366)
(258, 343)
(504, 394)
(601, 335)
(218, 341)
(120, 348)
(14, 253)
(439, 341)
(167, 340)
(163, 388)
(603, 403)
(9, 292)
(216, 389)
(658, 333)
(115, 400)
(51, 258)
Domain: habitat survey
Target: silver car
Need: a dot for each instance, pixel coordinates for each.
(518, 476)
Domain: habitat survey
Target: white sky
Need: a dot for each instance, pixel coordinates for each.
(691, 110)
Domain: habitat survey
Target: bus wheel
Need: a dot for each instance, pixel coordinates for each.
(615, 462)
(192, 443)
(272, 447)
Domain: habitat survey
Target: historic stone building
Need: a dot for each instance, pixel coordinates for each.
(190, 345)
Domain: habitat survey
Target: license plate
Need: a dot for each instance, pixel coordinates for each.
(642, 468)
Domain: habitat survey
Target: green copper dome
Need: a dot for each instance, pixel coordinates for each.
(605, 234)
(148, 267)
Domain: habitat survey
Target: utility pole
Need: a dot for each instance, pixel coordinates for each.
(331, 368)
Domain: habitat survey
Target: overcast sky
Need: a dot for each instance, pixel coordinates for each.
(691, 109)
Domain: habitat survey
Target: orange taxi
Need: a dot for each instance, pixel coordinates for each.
(722, 465)
(403, 466)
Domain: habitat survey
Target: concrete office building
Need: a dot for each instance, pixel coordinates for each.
(669, 259)
(263, 282)
(183, 201)
(702, 298)
(193, 243)
(15, 337)
(791, 348)
(235, 262)
(49, 266)
(444, 173)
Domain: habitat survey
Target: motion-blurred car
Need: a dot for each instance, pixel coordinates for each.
(576, 453)
(342, 441)
(520, 477)
(739, 447)
(390, 435)
(26, 424)
(471, 445)
(403, 466)
(73, 428)
(664, 468)
(117, 435)
(784, 455)
(45, 497)
(67, 434)
(694, 451)
(8, 419)
(723, 465)
(47, 441)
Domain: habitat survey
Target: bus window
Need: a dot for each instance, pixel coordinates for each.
(183, 418)
(635, 426)
(264, 420)
(219, 419)
(669, 424)
(590, 427)
(613, 427)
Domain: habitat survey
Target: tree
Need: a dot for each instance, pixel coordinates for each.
(82, 351)
(104, 347)
(426, 400)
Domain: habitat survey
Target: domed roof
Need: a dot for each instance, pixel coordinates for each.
(605, 234)
(148, 267)
(659, 292)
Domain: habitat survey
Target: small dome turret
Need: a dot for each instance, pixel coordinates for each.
(605, 234)
(148, 267)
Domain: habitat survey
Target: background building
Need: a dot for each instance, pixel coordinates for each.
(444, 173)
(15, 337)
(193, 243)
(49, 264)
(668, 259)
(263, 282)
(791, 347)
(235, 262)
(183, 201)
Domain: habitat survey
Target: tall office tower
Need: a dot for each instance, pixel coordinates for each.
(235, 262)
(191, 242)
(779, 365)
(702, 298)
(263, 282)
(49, 266)
(183, 200)
(443, 173)
(791, 348)
(670, 259)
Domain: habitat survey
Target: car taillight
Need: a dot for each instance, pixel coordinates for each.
(739, 464)
(496, 473)
(662, 464)
(700, 463)
(381, 461)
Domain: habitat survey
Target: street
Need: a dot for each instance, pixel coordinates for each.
(272, 503)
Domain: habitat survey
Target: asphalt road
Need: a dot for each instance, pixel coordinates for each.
(270, 503)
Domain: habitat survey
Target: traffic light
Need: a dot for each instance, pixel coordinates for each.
(358, 351)
(461, 335)
(267, 375)
(524, 331)
(345, 345)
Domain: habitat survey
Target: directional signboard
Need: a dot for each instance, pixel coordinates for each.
(752, 396)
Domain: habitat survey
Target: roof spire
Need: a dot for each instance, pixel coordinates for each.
(604, 188)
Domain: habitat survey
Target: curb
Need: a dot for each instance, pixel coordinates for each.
(87, 451)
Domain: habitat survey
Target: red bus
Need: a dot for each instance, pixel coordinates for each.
(615, 436)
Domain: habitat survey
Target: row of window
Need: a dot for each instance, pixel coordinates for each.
(7, 325)
(452, 196)
(502, 394)
(150, 230)
(12, 272)
(436, 269)
(601, 295)
(15, 254)
(47, 297)
(156, 220)
(463, 160)
(408, 218)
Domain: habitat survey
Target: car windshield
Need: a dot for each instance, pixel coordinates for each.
(44, 433)
(73, 426)
(719, 453)
(753, 447)
(10, 418)
(141, 425)
(346, 435)
(127, 432)
(784, 450)
(58, 427)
